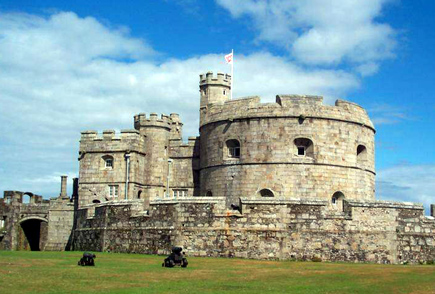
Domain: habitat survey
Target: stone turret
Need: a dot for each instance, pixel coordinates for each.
(213, 90)
(157, 132)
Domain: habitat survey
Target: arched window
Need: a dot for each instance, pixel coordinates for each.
(108, 161)
(95, 201)
(361, 153)
(139, 194)
(209, 193)
(337, 200)
(304, 147)
(265, 193)
(27, 198)
(233, 147)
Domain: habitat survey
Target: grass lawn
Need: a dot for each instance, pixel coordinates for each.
(57, 272)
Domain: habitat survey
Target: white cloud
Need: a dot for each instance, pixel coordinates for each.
(383, 114)
(63, 74)
(415, 183)
(322, 32)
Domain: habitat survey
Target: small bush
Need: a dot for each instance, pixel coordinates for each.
(430, 262)
(316, 259)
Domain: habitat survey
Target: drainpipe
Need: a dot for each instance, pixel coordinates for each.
(127, 173)
(169, 177)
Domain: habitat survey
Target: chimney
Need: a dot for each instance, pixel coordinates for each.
(63, 180)
(432, 210)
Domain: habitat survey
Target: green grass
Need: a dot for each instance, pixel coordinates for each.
(57, 272)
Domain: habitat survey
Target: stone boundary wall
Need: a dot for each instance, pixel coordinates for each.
(285, 229)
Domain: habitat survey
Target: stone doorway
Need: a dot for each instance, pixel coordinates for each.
(33, 234)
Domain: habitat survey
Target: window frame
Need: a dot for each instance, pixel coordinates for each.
(233, 149)
(109, 161)
(113, 191)
(179, 193)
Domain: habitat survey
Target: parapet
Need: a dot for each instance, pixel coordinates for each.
(220, 79)
(109, 140)
(286, 106)
(108, 135)
(164, 121)
(180, 149)
(296, 100)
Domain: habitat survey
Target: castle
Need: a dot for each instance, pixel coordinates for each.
(294, 179)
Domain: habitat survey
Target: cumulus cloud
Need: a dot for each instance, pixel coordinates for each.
(62, 74)
(415, 183)
(321, 32)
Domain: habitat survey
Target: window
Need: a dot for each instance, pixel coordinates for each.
(305, 147)
(139, 194)
(113, 190)
(95, 201)
(225, 92)
(337, 200)
(209, 193)
(2, 223)
(361, 153)
(108, 161)
(233, 147)
(27, 198)
(8, 200)
(179, 193)
(265, 193)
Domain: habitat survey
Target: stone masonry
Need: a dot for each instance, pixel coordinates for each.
(290, 180)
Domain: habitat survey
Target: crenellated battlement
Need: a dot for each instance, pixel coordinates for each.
(164, 121)
(109, 135)
(286, 106)
(109, 140)
(178, 148)
(220, 79)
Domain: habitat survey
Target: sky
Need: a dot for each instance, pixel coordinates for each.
(70, 66)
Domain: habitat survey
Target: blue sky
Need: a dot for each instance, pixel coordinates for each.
(69, 66)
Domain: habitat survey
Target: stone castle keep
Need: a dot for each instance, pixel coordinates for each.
(294, 179)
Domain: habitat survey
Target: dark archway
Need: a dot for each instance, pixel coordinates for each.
(35, 234)
(266, 193)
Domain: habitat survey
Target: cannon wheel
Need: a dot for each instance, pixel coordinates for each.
(184, 262)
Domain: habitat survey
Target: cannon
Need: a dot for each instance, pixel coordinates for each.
(176, 258)
(87, 259)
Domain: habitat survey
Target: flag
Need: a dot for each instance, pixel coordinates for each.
(229, 58)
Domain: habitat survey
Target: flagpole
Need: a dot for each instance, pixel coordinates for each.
(232, 73)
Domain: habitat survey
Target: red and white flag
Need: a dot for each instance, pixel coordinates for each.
(229, 58)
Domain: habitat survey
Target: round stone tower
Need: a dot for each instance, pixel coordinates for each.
(157, 132)
(213, 90)
(294, 148)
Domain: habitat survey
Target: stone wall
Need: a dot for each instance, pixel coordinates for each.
(23, 221)
(302, 229)
(184, 174)
(95, 177)
(267, 134)
(60, 224)
(37, 225)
